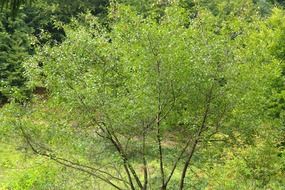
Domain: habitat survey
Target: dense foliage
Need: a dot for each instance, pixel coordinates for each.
(142, 95)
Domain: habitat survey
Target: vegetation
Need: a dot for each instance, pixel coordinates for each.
(142, 95)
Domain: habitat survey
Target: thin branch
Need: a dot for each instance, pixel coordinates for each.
(144, 161)
(120, 174)
(67, 163)
(194, 145)
(177, 161)
(159, 112)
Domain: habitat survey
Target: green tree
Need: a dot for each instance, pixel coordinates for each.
(40, 20)
(14, 48)
(145, 84)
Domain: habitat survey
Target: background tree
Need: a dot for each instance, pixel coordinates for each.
(14, 48)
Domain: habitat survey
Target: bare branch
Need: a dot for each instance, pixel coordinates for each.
(200, 131)
(83, 168)
(144, 161)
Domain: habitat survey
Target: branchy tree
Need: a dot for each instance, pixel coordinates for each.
(144, 97)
